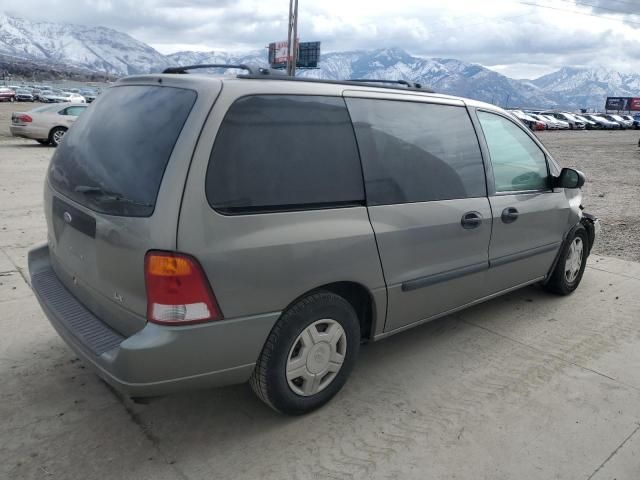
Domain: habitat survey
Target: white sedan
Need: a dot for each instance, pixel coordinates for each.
(46, 124)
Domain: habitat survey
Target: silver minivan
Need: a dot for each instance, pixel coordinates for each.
(207, 230)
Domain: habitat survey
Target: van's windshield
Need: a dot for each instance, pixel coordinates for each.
(113, 159)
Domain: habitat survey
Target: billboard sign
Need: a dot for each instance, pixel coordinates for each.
(308, 54)
(623, 103)
(280, 52)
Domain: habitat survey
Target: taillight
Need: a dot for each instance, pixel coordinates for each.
(23, 118)
(178, 292)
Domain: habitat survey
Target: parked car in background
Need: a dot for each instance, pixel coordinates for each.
(588, 124)
(52, 96)
(89, 95)
(23, 95)
(562, 125)
(549, 125)
(178, 260)
(603, 122)
(7, 95)
(46, 124)
(624, 123)
(530, 122)
(62, 97)
(36, 92)
(574, 123)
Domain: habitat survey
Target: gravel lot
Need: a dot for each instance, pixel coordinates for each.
(526, 386)
(611, 161)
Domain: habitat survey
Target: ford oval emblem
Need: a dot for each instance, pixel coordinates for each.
(67, 217)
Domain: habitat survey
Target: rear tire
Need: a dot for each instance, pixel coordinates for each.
(567, 274)
(56, 134)
(308, 355)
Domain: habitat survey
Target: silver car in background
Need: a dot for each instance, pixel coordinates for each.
(46, 124)
(260, 228)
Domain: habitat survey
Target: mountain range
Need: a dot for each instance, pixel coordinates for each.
(104, 50)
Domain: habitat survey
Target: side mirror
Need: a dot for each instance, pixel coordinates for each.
(569, 178)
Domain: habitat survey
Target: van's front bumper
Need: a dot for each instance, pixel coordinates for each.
(156, 360)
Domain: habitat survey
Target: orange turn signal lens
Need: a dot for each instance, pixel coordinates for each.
(168, 266)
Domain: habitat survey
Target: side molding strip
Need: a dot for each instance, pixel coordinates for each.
(496, 262)
(443, 276)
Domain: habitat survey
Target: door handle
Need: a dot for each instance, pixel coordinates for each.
(509, 215)
(471, 220)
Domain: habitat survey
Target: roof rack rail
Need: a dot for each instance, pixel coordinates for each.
(252, 69)
(417, 87)
(380, 80)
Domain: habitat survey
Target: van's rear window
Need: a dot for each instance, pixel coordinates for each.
(113, 158)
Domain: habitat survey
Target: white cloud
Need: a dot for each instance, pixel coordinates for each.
(513, 38)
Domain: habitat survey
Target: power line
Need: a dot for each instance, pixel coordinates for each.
(579, 13)
(577, 3)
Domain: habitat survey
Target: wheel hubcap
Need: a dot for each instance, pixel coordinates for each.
(57, 136)
(574, 260)
(316, 357)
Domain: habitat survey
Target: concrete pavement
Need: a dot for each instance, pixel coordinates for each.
(528, 386)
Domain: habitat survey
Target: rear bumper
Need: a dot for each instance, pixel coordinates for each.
(157, 360)
(25, 131)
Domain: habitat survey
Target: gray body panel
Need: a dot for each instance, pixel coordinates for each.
(525, 249)
(261, 263)
(415, 260)
(418, 243)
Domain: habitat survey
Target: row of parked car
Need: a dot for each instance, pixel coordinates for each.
(47, 94)
(541, 120)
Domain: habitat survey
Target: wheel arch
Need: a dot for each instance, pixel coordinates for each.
(360, 298)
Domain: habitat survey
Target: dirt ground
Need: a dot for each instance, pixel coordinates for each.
(526, 386)
(611, 161)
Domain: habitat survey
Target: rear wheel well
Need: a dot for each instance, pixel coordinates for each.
(361, 301)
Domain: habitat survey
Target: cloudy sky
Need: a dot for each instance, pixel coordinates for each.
(522, 39)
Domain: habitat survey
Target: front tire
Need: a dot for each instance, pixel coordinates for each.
(308, 355)
(567, 274)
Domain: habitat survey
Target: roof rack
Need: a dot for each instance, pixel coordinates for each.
(252, 69)
(359, 83)
(379, 80)
(261, 73)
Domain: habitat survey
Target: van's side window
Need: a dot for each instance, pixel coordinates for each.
(416, 152)
(284, 152)
(517, 162)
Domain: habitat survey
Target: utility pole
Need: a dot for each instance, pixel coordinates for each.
(292, 45)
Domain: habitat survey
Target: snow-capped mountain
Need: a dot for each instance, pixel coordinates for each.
(258, 57)
(99, 49)
(444, 75)
(585, 88)
(93, 48)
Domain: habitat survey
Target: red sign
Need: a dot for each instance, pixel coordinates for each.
(281, 52)
(634, 104)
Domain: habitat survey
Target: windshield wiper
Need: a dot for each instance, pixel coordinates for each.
(106, 195)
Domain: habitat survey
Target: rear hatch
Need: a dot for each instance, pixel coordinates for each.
(114, 190)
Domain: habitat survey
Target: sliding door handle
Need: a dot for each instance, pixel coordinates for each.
(509, 215)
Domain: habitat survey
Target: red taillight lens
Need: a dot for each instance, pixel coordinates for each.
(178, 292)
(24, 118)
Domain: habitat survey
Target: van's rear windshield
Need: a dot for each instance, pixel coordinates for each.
(113, 158)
